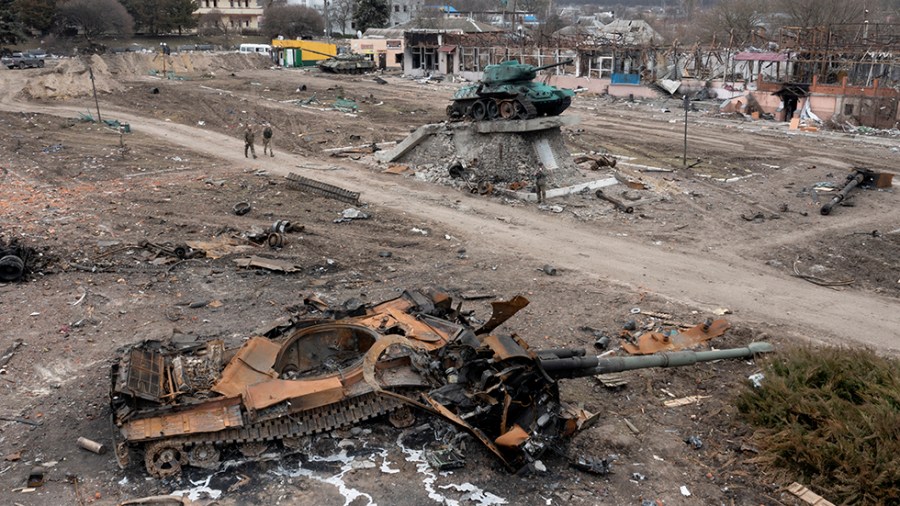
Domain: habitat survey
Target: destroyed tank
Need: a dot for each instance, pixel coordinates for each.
(188, 404)
(508, 91)
(347, 64)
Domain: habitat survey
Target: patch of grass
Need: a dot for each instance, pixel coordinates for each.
(830, 419)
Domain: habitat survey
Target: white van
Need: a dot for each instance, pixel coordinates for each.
(263, 49)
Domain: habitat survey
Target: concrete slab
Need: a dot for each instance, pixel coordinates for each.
(409, 143)
(560, 192)
(526, 125)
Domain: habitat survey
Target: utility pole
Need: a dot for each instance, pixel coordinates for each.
(97, 102)
(687, 105)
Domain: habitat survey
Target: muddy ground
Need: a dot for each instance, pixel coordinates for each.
(726, 233)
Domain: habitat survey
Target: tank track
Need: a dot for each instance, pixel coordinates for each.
(317, 420)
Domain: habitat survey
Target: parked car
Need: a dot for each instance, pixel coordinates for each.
(19, 60)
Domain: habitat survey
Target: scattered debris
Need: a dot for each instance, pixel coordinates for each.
(597, 161)
(241, 208)
(14, 260)
(672, 340)
(808, 496)
(36, 477)
(548, 270)
(445, 459)
(10, 351)
(351, 214)
(694, 441)
(268, 264)
(159, 500)
(619, 205)
(594, 465)
(21, 420)
(756, 379)
(684, 401)
(684, 491)
(816, 280)
(92, 446)
(179, 251)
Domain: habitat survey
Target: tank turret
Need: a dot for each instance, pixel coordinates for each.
(508, 91)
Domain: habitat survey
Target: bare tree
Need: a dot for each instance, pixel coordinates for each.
(94, 18)
(734, 22)
(822, 13)
(428, 17)
(342, 12)
(212, 24)
(291, 21)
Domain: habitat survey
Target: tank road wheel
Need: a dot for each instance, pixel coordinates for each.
(479, 111)
(164, 459)
(493, 112)
(123, 455)
(402, 417)
(253, 450)
(205, 456)
(508, 109)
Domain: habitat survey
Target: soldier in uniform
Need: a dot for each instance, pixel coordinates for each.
(540, 183)
(249, 138)
(267, 140)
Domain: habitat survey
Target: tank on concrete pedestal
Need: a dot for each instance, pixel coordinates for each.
(508, 91)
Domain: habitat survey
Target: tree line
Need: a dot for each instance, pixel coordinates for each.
(21, 19)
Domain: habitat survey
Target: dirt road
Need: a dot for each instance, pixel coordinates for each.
(693, 275)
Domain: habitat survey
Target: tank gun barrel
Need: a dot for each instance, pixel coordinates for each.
(550, 66)
(576, 366)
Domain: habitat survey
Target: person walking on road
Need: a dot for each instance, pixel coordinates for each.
(249, 138)
(267, 140)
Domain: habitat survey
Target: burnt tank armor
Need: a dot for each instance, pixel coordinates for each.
(508, 91)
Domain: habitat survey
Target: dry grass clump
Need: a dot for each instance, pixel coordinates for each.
(831, 420)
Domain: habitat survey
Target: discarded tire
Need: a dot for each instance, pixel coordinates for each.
(282, 226)
(275, 240)
(241, 208)
(11, 268)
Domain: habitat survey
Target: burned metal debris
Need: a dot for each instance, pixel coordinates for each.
(337, 366)
(618, 203)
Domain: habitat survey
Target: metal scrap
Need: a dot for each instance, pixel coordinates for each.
(10, 351)
(816, 280)
(619, 205)
(268, 264)
(298, 182)
(672, 340)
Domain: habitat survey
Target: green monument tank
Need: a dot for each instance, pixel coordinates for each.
(508, 91)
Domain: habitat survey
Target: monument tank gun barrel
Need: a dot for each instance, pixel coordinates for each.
(576, 367)
(550, 66)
